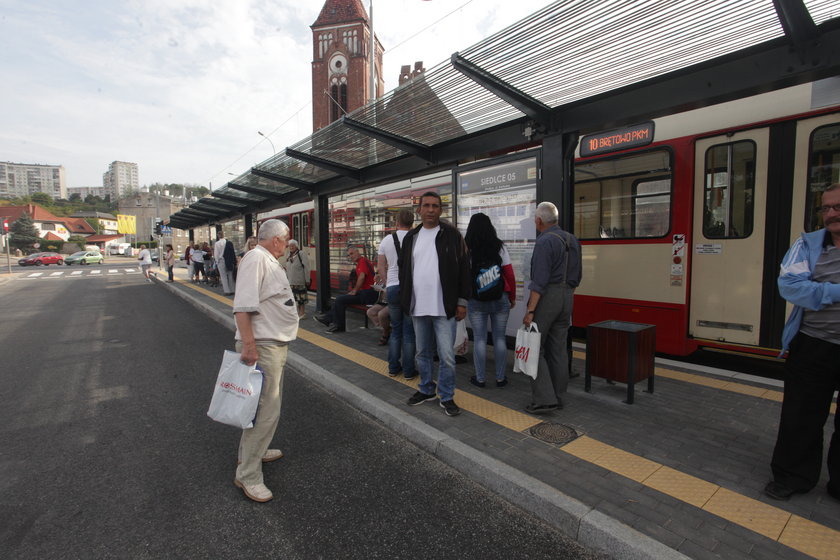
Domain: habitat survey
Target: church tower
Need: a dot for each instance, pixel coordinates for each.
(340, 61)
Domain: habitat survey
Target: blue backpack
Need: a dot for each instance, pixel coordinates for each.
(488, 284)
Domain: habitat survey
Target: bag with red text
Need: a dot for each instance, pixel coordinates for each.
(527, 350)
(237, 392)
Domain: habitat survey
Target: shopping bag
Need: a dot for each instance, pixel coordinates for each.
(237, 392)
(462, 340)
(527, 350)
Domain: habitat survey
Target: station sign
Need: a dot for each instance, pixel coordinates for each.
(618, 139)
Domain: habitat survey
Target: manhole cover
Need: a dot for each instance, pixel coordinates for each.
(553, 433)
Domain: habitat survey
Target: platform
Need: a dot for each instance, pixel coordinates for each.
(678, 474)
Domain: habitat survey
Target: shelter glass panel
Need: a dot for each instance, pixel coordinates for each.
(729, 187)
(364, 217)
(624, 197)
(823, 170)
(507, 194)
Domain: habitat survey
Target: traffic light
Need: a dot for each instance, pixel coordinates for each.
(5, 226)
(158, 226)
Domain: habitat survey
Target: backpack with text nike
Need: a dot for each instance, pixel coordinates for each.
(488, 284)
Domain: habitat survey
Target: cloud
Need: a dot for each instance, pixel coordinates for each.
(182, 86)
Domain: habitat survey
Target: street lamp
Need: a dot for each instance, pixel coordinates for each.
(269, 141)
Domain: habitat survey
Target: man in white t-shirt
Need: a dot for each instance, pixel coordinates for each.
(435, 285)
(145, 258)
(401, 341)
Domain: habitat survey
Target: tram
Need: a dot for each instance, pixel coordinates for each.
(687, 231)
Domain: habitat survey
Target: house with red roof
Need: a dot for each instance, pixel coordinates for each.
(49, 226)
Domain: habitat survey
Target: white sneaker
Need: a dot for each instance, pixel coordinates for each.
(272, 455)
(257, 492)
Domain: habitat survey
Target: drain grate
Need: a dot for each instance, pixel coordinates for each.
(553, 433)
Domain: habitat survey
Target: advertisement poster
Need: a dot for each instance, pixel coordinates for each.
(507, 193)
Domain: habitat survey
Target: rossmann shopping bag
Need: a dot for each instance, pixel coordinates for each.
(527, 350)
(462, 339)
(237, 392)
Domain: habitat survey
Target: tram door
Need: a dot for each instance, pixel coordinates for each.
(730, 189)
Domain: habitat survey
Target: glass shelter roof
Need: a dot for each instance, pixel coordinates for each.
(572, 66)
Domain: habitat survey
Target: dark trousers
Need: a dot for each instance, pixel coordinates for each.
(364, 297)
(812, 374)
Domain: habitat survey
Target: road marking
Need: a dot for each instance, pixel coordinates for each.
(76, 273)
(96, 272)
(35, 275)
(56, 274)
(113, 271)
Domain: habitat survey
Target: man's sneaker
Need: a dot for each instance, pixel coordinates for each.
(334, 329)
(420, 398)
(450, 407)
(411, 375)
(322, 318)
(393, 373)
(540, 408)
(256, 492)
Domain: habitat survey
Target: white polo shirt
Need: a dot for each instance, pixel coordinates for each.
(262, 288)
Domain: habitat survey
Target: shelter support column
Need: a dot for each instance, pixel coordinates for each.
(322, 251)
(249, 225)
(557, 184)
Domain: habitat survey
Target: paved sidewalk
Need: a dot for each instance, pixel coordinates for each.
(677, 474)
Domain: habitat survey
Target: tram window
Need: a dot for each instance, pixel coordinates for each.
(728, 190)
(823, 170)
(296, 227)
(304, 236)
(625, 197)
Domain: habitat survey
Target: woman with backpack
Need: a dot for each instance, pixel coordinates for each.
(493, 295)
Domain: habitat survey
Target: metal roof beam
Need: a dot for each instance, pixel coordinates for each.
(239, 199)
(226, 205)
(798, 25)
(344, 170)
(281, 179)
(198, 213)
(400, 142)
(269, 194)
(534, 108)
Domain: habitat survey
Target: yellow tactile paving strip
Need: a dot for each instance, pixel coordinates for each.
(791, 530)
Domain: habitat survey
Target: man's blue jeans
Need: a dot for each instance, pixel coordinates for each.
(436, 332)
(496, 312)
(337, 313)
(401, 341)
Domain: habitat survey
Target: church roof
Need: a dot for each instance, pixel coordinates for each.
(341, 11)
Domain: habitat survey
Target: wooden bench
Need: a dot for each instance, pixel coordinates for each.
(360, 308)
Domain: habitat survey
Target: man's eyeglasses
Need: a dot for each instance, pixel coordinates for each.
(827, 207)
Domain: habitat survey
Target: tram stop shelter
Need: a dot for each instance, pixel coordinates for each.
(570, 69)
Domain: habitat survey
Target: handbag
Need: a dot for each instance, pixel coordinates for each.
(527, 350)
(237, 392)
(461, 339)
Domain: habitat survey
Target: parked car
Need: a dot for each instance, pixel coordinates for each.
(38, 259)
(85, 257)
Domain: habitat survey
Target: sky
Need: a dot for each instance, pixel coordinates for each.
(182, 87)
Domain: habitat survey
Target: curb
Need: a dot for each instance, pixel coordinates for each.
(589, 527)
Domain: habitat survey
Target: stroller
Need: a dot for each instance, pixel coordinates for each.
(212, 272)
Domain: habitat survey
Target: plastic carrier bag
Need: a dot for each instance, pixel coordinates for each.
(237, 392)
(527, 351)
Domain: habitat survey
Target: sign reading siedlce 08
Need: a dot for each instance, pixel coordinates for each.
(618, 139)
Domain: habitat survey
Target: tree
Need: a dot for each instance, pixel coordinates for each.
(95, 224)
(24, 232)
(75, 197)
(42, 199)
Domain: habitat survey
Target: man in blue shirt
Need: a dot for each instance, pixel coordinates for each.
(810, 280)
(555, 273)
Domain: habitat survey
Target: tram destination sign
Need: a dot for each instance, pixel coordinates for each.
(618, 139)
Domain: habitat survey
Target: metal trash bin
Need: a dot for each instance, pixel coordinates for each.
(621, 352)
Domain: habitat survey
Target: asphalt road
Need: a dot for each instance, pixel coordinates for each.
(106, 450)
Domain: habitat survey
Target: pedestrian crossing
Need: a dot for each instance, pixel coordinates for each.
(87, 273)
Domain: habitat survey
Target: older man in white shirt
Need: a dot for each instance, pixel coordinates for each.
(266, 321)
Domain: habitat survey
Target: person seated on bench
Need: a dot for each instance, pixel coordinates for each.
(361, 293)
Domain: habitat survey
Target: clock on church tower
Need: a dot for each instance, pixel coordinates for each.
(341, 62)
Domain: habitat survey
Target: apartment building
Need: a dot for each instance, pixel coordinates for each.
(23, 179)
(121, 179)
